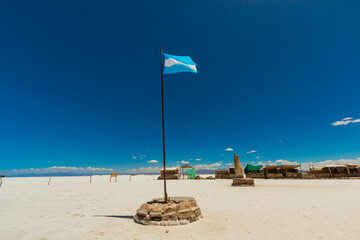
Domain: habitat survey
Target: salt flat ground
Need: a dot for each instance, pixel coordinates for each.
(72, 208)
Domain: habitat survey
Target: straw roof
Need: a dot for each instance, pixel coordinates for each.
(169, 168)
(353, 165)
(334, 165)
(187, 166)
(316, 168)
(289, 166)
(282, 166)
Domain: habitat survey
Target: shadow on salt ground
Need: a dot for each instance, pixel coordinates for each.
(116, 216)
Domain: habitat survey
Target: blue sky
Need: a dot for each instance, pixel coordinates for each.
(80, 82)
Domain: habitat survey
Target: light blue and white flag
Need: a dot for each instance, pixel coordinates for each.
(175, 64)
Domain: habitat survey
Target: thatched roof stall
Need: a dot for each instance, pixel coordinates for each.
(353, 168)
(291, 171)
(283, 168)
(272, 172)
(336, 171)
(188, 169)
(319, 172)
(282, 171)
(315, 169)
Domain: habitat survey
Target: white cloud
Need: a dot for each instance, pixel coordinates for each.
(58, 169)
(257, 157)
(345, 121)
(252, 151)
(264, 163)
(153, 161)
(278, 162)
(208, 166)
(228, 164)
(184, 162)
(229, 149)
(145, 170)
(339, 123)
(138, 155)
(198, 159)
(282, 162)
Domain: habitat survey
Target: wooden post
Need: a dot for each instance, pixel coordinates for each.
(348, 171)
(130, 178)
(163, 123)
(266, 172)
(90, 178)
(285, 171)
(331, 175)
(49, 181)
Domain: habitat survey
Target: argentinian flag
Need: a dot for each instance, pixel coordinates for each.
(175, 64)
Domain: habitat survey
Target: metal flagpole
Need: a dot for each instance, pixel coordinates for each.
(163, 125)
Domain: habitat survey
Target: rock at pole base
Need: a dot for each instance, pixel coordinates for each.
(177, 211)
(243, 182)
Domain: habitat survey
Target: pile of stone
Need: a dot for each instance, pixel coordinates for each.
(177, 211)
(243, 182)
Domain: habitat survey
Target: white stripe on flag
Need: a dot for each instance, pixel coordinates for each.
(170, 62)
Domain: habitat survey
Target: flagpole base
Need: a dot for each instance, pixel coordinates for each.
(176, 211)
